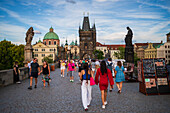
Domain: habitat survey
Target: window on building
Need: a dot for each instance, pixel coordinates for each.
(168, 47)
(49, 42)
(169, 51)
(165, 46)
(51, 49)
(54, 42)
(165, 51)
(36, 49)
(36, 55)
(43, 55)
(51, 55)
(43, 49)
(45, 42)
(166, 56)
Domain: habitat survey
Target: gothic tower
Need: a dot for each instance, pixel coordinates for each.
(87, 37)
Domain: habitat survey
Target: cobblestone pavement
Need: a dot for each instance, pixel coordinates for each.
(63, 96)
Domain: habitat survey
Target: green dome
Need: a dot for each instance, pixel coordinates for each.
(51, 35)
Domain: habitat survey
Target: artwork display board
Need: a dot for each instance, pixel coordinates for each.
(154, 76)
(139, 68)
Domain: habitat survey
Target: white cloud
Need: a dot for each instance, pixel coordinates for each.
(157, 5)
(12, 32)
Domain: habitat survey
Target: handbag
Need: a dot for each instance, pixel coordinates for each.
(92, 81)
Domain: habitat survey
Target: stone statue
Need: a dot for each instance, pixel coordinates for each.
(128, 39)
(29, 36)
(129, 49)
(28, 50)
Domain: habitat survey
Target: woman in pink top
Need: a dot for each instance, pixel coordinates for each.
(70, 69)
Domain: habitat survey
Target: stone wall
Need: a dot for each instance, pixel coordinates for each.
(6, 76)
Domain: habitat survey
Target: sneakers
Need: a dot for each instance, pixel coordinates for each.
(30, 87)
(61, 75)
(71, 80)
(18, 82)
(103, 106)
(35, 86)
(86, 109)
(105, 103)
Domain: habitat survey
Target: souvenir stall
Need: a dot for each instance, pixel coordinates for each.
(153, 77)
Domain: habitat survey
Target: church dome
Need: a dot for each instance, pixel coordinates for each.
(51, 35)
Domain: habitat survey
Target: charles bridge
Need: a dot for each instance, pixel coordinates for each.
(63, 96)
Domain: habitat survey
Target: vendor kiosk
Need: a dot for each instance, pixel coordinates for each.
(153, 77)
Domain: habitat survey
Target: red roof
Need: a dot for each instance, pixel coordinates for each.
(112, 47)
(143, 44)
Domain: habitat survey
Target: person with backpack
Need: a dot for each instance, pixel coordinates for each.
(103, 75)
(119, 75)
(110, 66)
(71, 68)
(86, 88)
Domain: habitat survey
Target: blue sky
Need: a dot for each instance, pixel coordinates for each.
(149, 19)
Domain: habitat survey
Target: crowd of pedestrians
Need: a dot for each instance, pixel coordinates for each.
(90, 72)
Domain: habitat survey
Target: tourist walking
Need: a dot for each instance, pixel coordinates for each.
(16, 73)
(97, 63)
(71, 68)
(29, 66)
(86, 89)
(62, 67)
(34, 72)
(103, 75)
(119, 75)
(93, 66)
(110, 66)
(80, 65)
(46, 73)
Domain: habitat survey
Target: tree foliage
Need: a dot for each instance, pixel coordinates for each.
(48, 59)
(9, 53)
(98, 54)
(120, 54)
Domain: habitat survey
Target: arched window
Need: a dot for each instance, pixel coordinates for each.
(49, 42)
(45, 42)
(54, 42)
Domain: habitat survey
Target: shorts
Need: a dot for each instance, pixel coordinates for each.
(71, 73)
(34, 74)
(62, 68)
(93, 69)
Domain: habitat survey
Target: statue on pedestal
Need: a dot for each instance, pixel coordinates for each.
(129, 52)
(28, 50)
(128, 39)
(29, 36)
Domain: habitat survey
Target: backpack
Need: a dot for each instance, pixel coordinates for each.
(109, 66)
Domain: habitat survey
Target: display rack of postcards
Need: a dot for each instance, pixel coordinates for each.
(154, 77)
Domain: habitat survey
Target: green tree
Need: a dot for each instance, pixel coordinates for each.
(17, 53)
(136, 59)
(98, 54)
(48, 59)
(9, 53)
(121, 53)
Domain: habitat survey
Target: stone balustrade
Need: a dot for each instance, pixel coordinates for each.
(6, 76)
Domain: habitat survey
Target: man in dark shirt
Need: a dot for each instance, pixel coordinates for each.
(35, 68)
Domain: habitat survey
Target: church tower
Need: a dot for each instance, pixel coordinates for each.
(87, 39)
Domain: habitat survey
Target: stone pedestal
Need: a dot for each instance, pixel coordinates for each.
(28, 50)
(129, 54)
